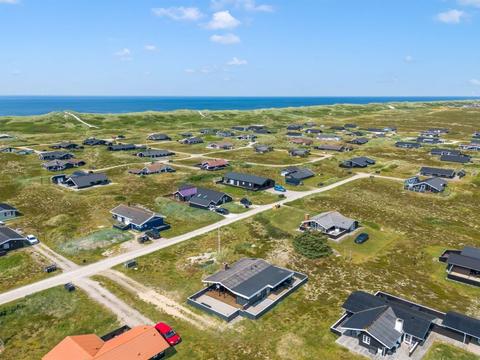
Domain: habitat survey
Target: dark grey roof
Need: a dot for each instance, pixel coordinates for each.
(439, 151)
(330, 147)
(407, 144)
(204, 197)
(7, 234)
(82, 180)
(361, 161)
(416, 322)
(254, 179)
(55, 155)
(471, 251)
(379, 322)
(120, 147)
(158, 137)
(359, 141)
(465, 260)
(152, 152)
(248, 276)
(137, 215)
(4, 206)
(360, 300)
(435, 182)
(298, 172)
(437, 172)
(462, 323)
(300, 152)
(462, 159)
(193, 140)
(330, 219)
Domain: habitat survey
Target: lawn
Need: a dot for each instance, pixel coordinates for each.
(32, 326)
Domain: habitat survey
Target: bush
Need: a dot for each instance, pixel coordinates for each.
(312, 245)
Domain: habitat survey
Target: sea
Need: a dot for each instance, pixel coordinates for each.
(37, 105)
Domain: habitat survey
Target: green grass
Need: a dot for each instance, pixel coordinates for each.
(183, 217)
(97, 241)
(32, 326)
(408, 231)
(249, 155)
(20, 268)
(447, 352)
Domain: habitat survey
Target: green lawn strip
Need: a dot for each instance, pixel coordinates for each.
(440, 351)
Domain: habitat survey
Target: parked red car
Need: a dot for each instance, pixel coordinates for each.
(168, 333)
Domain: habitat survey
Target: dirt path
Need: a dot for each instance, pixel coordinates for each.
(80, 120)
(125, 313)
(162, 302)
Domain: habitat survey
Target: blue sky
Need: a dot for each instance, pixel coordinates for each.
(240, 47)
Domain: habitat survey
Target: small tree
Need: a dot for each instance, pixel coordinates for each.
(312, 245)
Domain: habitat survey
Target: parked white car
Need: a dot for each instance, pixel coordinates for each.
(32, 239)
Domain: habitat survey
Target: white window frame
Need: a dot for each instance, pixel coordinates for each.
(366, 339)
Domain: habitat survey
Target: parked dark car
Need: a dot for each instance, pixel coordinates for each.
(153, 234)
(361, 238)
(245, 202)
(142, 239)
(50, 268)
(222, 211)
(69, 287)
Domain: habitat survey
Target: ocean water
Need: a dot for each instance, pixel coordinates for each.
(36, 105)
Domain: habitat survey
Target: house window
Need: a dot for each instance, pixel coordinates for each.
(366, 339)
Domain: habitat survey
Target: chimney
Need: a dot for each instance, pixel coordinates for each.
(226, 266)
(399, 325)
(307, 217)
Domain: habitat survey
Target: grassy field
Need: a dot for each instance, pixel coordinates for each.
(386, 262)
(407, 230)
(20, 268)
(32, 326)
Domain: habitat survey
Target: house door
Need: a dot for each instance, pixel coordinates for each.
(408, 339)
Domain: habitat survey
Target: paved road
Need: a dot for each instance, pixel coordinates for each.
(85, 271)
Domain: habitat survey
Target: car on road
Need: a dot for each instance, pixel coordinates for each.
(361, 238)
(32, 240)
(170, 335)
(279, 188)
(222, 211)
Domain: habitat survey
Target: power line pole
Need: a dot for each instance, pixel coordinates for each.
(218, 242)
